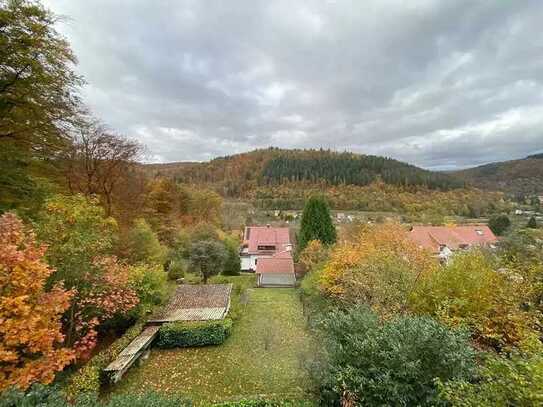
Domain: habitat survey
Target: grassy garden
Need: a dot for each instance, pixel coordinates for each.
(263, 356)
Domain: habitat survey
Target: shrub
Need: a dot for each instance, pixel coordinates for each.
(150, 284)
(380, 268)
(176, 269)
(143, 244)
(391, 363)
(502, 382)
(198, 333)
(499, 224)
(532, 223)
(470, 292)
(232, 265)
(314, 254)
(90, 377)
(266, 403)
(50, 396)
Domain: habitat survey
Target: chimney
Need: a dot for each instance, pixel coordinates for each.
(268, 225)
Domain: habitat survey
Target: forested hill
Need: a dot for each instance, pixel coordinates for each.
(238, 173)
(522, 177)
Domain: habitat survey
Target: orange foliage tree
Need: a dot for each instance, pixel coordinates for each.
(30, 316)
(380, 268)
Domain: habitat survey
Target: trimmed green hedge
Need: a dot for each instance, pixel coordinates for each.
(197, 333)
(266, 403)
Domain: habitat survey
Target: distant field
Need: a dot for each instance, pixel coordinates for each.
(263, 356)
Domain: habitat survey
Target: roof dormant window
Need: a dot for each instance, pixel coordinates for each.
(479, 232)
(266, 247)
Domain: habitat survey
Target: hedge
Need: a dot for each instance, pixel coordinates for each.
(90, 377)
(266, 403)
(50, 396)
(194, 333)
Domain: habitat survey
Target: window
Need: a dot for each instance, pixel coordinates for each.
(266, 247)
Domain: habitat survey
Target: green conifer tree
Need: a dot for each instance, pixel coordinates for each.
(532, 223)
(316, 223)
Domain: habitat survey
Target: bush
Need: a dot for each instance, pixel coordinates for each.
(232, 265)
(499, 224)
(470, 292)
(198, 333)
(176, 269)
(266, 403)
(514, 381)
(90, 377)
(392, 363)
(381, 268)
(143, 244)
(150, 284)
(50, 396)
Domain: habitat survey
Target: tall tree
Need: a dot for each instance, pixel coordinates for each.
(99, 161)
(80, 240)
(316, 223)
(38, 95)
(208, 257)
(232, 266)
(30, 316)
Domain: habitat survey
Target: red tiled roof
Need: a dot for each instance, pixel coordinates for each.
(279, 263)
(432, 237)
(266, 236)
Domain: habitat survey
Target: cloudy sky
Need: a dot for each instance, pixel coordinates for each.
(441, 84)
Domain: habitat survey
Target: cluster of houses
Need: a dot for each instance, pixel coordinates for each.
(267, 250)
(443, 241)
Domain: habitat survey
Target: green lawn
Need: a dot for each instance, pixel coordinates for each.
(263, 356)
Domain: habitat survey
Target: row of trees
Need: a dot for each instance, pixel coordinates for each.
(416, 204)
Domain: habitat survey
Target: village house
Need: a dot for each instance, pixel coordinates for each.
(267, 251)
(263, 242)
(276, 271)
(443, 241)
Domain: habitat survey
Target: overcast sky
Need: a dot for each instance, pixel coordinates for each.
(441, 84)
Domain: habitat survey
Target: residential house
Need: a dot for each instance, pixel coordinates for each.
(443, 241)
(276, 271)
(261, 242)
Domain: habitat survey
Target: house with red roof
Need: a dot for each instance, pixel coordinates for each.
(262, 242)
(443, 241)
(276, 271)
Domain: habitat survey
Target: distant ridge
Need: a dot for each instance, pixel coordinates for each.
(273, 166)
(523, 177)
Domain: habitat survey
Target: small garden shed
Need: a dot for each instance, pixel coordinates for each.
(189, 303)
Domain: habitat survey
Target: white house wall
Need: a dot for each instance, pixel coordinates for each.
(248, 263)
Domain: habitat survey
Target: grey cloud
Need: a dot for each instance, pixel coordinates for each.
(439, 84)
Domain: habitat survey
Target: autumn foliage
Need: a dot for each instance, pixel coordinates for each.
(30, 316)
(380, 268)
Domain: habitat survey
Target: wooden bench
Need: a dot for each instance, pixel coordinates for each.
(131, 353)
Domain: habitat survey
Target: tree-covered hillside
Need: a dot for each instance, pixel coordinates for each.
(516, 177)
(235, 175)
(351, 169)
